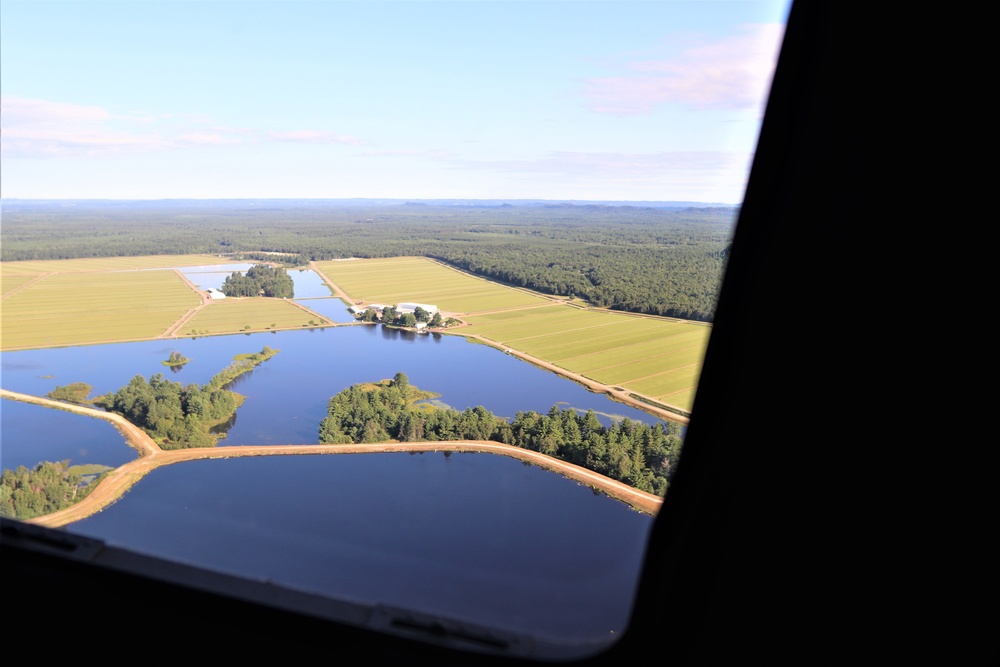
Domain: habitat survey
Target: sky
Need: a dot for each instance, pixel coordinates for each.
(579, 100)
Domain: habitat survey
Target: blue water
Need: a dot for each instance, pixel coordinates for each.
(478, 537)
(32, 434)
(287, 396)
(205, 277)
(331, 308)
(307, 283)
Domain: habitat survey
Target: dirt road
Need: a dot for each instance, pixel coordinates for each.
(121, 479)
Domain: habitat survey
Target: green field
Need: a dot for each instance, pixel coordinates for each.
(78, 308)
(108, 264)
(655, 357)
(420, 280)
(81, 301)
(59, 303)
(256, 314)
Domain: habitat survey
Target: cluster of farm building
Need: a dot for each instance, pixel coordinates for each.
(400, 309)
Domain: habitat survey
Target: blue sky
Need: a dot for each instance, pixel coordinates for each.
(566, 100)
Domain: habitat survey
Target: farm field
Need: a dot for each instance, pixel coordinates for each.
(654, 357)
(249, 314)
(10, 269)
(62, 309)
(657, 358)
(83, 301)
(420, 280)
(57, 303)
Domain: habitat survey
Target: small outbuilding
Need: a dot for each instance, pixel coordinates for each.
(215, 294)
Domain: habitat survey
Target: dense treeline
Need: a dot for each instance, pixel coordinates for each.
(642, 259)
(637, 454)
(178, 416)
(260, 280)
(46, 488)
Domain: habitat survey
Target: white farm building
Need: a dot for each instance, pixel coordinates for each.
(411, 307)
(215, 294)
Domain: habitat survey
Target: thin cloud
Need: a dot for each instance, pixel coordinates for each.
(314, 137)
(20, 111)
(208, 139)
(703, 175)
(34, 128)
(731, 74)
(39, 128)
(431, 153)
(41, 142)
(617, 164)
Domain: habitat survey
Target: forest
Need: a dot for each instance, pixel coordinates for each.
(637, 454)
(646, 259)
(48, 487)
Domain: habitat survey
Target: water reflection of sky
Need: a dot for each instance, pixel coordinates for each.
(545, 556)
(331, 308)
(483, 538)
(307, 283)
(31, 434)
(287, 396)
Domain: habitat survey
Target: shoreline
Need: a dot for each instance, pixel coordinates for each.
(119, 480)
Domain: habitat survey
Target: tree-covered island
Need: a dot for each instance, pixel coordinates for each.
(178, 416)
(637, 454)
(176, 360)
(175, 416)
(260, 280)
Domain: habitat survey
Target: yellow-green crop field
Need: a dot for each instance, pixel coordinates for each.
(107, 264)
(655, 357)
(79, 308)
(420, 280)
(249, 314)
(15, 280)
(82, 301)
(58, 303)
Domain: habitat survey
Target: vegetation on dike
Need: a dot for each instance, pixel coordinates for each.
(634, 453)
(48, 487)
(178, 416)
